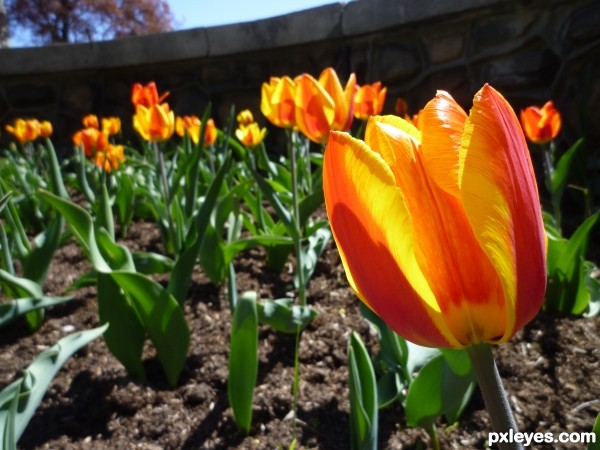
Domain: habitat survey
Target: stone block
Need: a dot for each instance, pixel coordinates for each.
(445, 47)
(583, 24)
(491, 32)
(393, 63)
(22, 96)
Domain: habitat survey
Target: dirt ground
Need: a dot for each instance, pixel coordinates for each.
(550, 369)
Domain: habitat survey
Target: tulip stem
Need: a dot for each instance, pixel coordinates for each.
(494, 395)
(296, 214)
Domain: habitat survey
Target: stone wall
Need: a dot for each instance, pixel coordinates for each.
(530, 50)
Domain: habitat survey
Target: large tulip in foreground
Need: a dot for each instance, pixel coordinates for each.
(440, 230)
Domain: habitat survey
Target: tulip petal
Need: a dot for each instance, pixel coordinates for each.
(315, 110)
(464, 283)
(500, 197)
(442, 124)
(372, 227)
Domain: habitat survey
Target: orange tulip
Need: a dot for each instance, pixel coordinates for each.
(111, 125)
(315, 110)
(155, 123)
(45, 129)
(343, 99)
(401, 107)
(146, 95)
(92, 140)
(369, 100)
(250, 135)
(110, 158)
(24, 130)
(210, 133)
(191, 124)
(277, 101)
(245, 117)
(541, 124)
(440, 230)
(90, 121)
(323, 105)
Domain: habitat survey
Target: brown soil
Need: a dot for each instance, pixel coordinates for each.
(550, 370)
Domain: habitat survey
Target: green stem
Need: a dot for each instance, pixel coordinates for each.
(296, 213)
(431, 430)
(493, 393)
(296, 383)
(548, 176)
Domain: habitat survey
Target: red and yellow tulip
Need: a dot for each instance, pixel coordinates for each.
(24, 130)
(45, 129)
(111, 125)
(110, 158)
(146, 95)
(322, 105)
(154, 123)
(277, 101)
(440, 230)
(92, 140)
(369, 100)
(251, 134)
(191, 124)
(90, 121)
(541, 125)
(245, 117)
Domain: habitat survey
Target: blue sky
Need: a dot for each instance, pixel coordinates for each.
(207, 13)
(197, 13)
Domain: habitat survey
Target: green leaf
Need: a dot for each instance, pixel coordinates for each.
(595, 443)
(592, 283)
(186, 259)
(389, 389)
(243, 360)
(124, 201)
(163, 320)
(283, 316)
(82, 225)
(19, 287)
(105, 216)
(315, 245)
(150, 263)
(437, 390)
(212, 255)
(284, 215)
(12, 310)
(126, 335)
(364, 419)
(37, 262)
(20, 399)
(4, 200)
(561, 172)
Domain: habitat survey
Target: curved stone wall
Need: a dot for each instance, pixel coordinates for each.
(530, 50)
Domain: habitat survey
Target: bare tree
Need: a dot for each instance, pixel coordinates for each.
(62, 21)
(3, 26)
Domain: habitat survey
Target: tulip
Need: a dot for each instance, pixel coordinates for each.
(146, 95)
(210, 133)
(245, 117)
(45, 129)
(110, 158)
(90, 121)
(92, 140)
(343, 99)
(250, 135)
(401, 107)
(369, 100)
(315, 110)
(111, 125)
(440, 230)
(24, 130)
(155, 123)
(277, 101)
(541, 125)
(191, 124)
